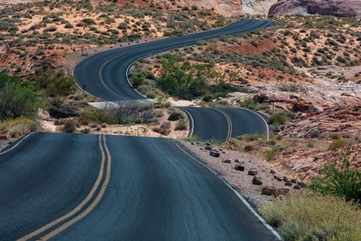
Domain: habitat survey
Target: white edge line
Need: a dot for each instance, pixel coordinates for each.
(244, 201)
(130, 84)
(17, 144)
(190, 121)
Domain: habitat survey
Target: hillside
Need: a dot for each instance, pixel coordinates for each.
(340, 8)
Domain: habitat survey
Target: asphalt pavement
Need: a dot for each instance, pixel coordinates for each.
(120, 188)
(44, 177)
(160, 193)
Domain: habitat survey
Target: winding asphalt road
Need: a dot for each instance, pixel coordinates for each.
(113, 188)
(105, 75)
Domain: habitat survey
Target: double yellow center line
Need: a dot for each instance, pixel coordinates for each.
(88, 204)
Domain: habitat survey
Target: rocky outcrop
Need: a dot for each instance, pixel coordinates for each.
(339, 8)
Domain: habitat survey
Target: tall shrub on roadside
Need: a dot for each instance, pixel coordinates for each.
(343, 182)
(16, 99)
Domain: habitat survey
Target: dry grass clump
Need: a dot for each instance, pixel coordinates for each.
(313, 217)
(17, 127)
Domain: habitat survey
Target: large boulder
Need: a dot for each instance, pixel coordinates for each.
(339, 8)
(59, 111)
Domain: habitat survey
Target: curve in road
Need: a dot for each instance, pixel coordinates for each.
(105, 75)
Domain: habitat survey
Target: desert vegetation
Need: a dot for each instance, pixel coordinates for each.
(312, 216)
(329, 210)
(45, 31)
(183, 79)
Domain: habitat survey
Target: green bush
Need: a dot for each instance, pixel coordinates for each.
(279, 118)
(54, 84)
(314, 217)
(343, 182)
(88, 21)
(189, 81)
(250, 103)
(181, 125)
(181, 80)
(16, 98)
(121, 115)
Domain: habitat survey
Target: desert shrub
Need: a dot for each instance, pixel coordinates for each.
(88, 21)
(313, 217)
(337, 143)
(343, 182)
(279, 118)
(54, 83)
(175, 115)
(6, 25)
(18, 127)
(97, 116)
(120, 115)
(138, 77)
(181, 125)
(272, 152)
(182, 80)
(163, 129)
(220, 90)
(68, 25)
(16, 98)
(250, 103)
(69, 126)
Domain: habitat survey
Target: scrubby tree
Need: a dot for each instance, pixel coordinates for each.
(16, 98)
(343, 182)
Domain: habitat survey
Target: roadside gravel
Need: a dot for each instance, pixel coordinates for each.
(227, 163)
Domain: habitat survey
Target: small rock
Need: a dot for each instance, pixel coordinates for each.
(296, 187)
(278, 178)
(227, 161)
(301, 184)
(288, 184)
(281, 192)
(58, 111)
(93, 126)
(252, 172)
(257, 181)
(239, 168)
(236, 160)
(214, 153)
(248, 148)
(293, 180)
(85, 131)
(268, 191)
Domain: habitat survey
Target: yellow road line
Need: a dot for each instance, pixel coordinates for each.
(105, 163)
